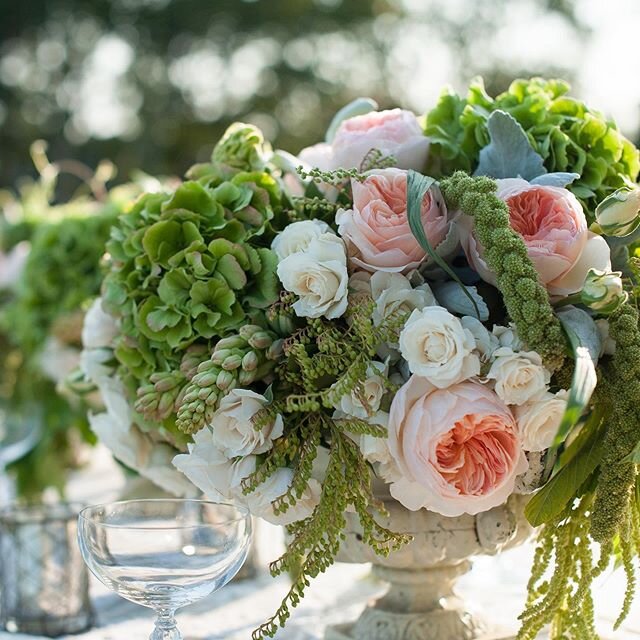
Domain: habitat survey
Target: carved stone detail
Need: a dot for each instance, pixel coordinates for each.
(420, 603)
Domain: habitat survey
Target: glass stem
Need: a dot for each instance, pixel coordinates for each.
(166, 626)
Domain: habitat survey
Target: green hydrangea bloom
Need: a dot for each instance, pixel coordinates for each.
(568, 135)
(190, 266)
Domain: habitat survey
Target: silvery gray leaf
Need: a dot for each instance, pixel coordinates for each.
(584, 326)
(452, 298)
(556, 179)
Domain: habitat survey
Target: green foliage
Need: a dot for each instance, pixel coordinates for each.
(61, 275)
(525, 299)
(568, 135)
(322, 362)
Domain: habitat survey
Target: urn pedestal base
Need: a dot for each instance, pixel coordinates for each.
(419, 605)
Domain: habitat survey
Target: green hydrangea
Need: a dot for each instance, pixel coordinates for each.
(191, 266)
(568, 135)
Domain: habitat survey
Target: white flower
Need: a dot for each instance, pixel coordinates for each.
(260, 501)
(205, 465)
(519, 377)
(137, 450)
(94, 364)
(608, 343)
(219, 478)
(99, 328)
(538, 421)
(236, 433)
(297, 237)
(12, 264)
(508, 337)
(486, 342)
(437, 347)
(393, 293)
(362, 405)
(318, 276)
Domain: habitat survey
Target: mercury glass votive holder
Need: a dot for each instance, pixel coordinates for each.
(44, 583)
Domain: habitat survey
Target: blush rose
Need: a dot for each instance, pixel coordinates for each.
(554, 228)
(457, 450)
(376, 230)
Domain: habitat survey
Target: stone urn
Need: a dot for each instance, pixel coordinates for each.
(420, 603)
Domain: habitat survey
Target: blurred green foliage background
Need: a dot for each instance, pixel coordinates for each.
(153, 83)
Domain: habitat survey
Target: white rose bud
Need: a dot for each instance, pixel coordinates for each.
(318, 276)
(437, 347)
(236, 433)
(486, 342)
(538, 421)
(297, 237)
(619, 213)
(603, 291)
(519, 377)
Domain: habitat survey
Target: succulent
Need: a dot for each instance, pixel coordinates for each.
(568, 135)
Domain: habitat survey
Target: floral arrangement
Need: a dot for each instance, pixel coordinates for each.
(49, 272)
(432, 303)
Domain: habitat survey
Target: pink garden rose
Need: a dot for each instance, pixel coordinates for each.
(395, 133)
(377, 229)
(457, 450)
(554, 228)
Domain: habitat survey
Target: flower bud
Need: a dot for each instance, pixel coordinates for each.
(224, 380)
(603, 291)
(250, 361)
(232, 362)
(619, 213)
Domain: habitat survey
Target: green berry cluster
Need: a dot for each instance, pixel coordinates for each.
(525, 299)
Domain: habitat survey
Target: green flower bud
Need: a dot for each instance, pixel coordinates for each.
(225, 381)
(603, 291)
(250, 361)
(242, 147)
(619, 213)
(232, 362)
(261, 340)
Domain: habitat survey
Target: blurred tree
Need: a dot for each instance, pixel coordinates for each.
(152, 83)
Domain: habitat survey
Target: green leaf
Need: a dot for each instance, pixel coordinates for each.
(417, 187)
(584, 455)
(582, 385)
(509, 154)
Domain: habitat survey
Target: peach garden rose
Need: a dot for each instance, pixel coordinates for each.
(457, 450)
(376, 230)
(554, 228)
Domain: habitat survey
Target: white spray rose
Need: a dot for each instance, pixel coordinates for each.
(393, 293)
(365, 404)
(236, 434)
(318, 276)
(603, 291)
(437, 347)
(205, 465)
(519, 377)
(297, 237)
(619, 213)
(99, 328)
(538, 421)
